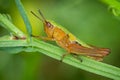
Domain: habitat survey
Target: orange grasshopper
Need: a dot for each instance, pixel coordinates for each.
(69, 42)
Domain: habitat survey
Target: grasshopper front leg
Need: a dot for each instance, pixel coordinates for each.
(44, 38)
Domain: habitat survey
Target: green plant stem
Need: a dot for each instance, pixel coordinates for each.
(87, 64)
(56, 53)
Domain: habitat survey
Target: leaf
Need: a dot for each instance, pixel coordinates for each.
(114, 5)
(25, 18)
(13, 43)
(16, 50)
(12, 50)
(6, 23)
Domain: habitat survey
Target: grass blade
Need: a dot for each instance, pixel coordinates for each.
(90, 65)
(25, 18)
(87, 64)
(4, 22)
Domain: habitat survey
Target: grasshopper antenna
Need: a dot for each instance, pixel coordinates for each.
(41, 15)
(37, 16)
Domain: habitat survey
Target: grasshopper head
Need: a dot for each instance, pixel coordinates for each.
(49, 28)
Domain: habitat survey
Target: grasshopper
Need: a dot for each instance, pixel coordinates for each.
(69, 42)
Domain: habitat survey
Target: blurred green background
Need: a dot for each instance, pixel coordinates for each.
(89, 20)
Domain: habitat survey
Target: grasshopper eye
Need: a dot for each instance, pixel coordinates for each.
(49, 24)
